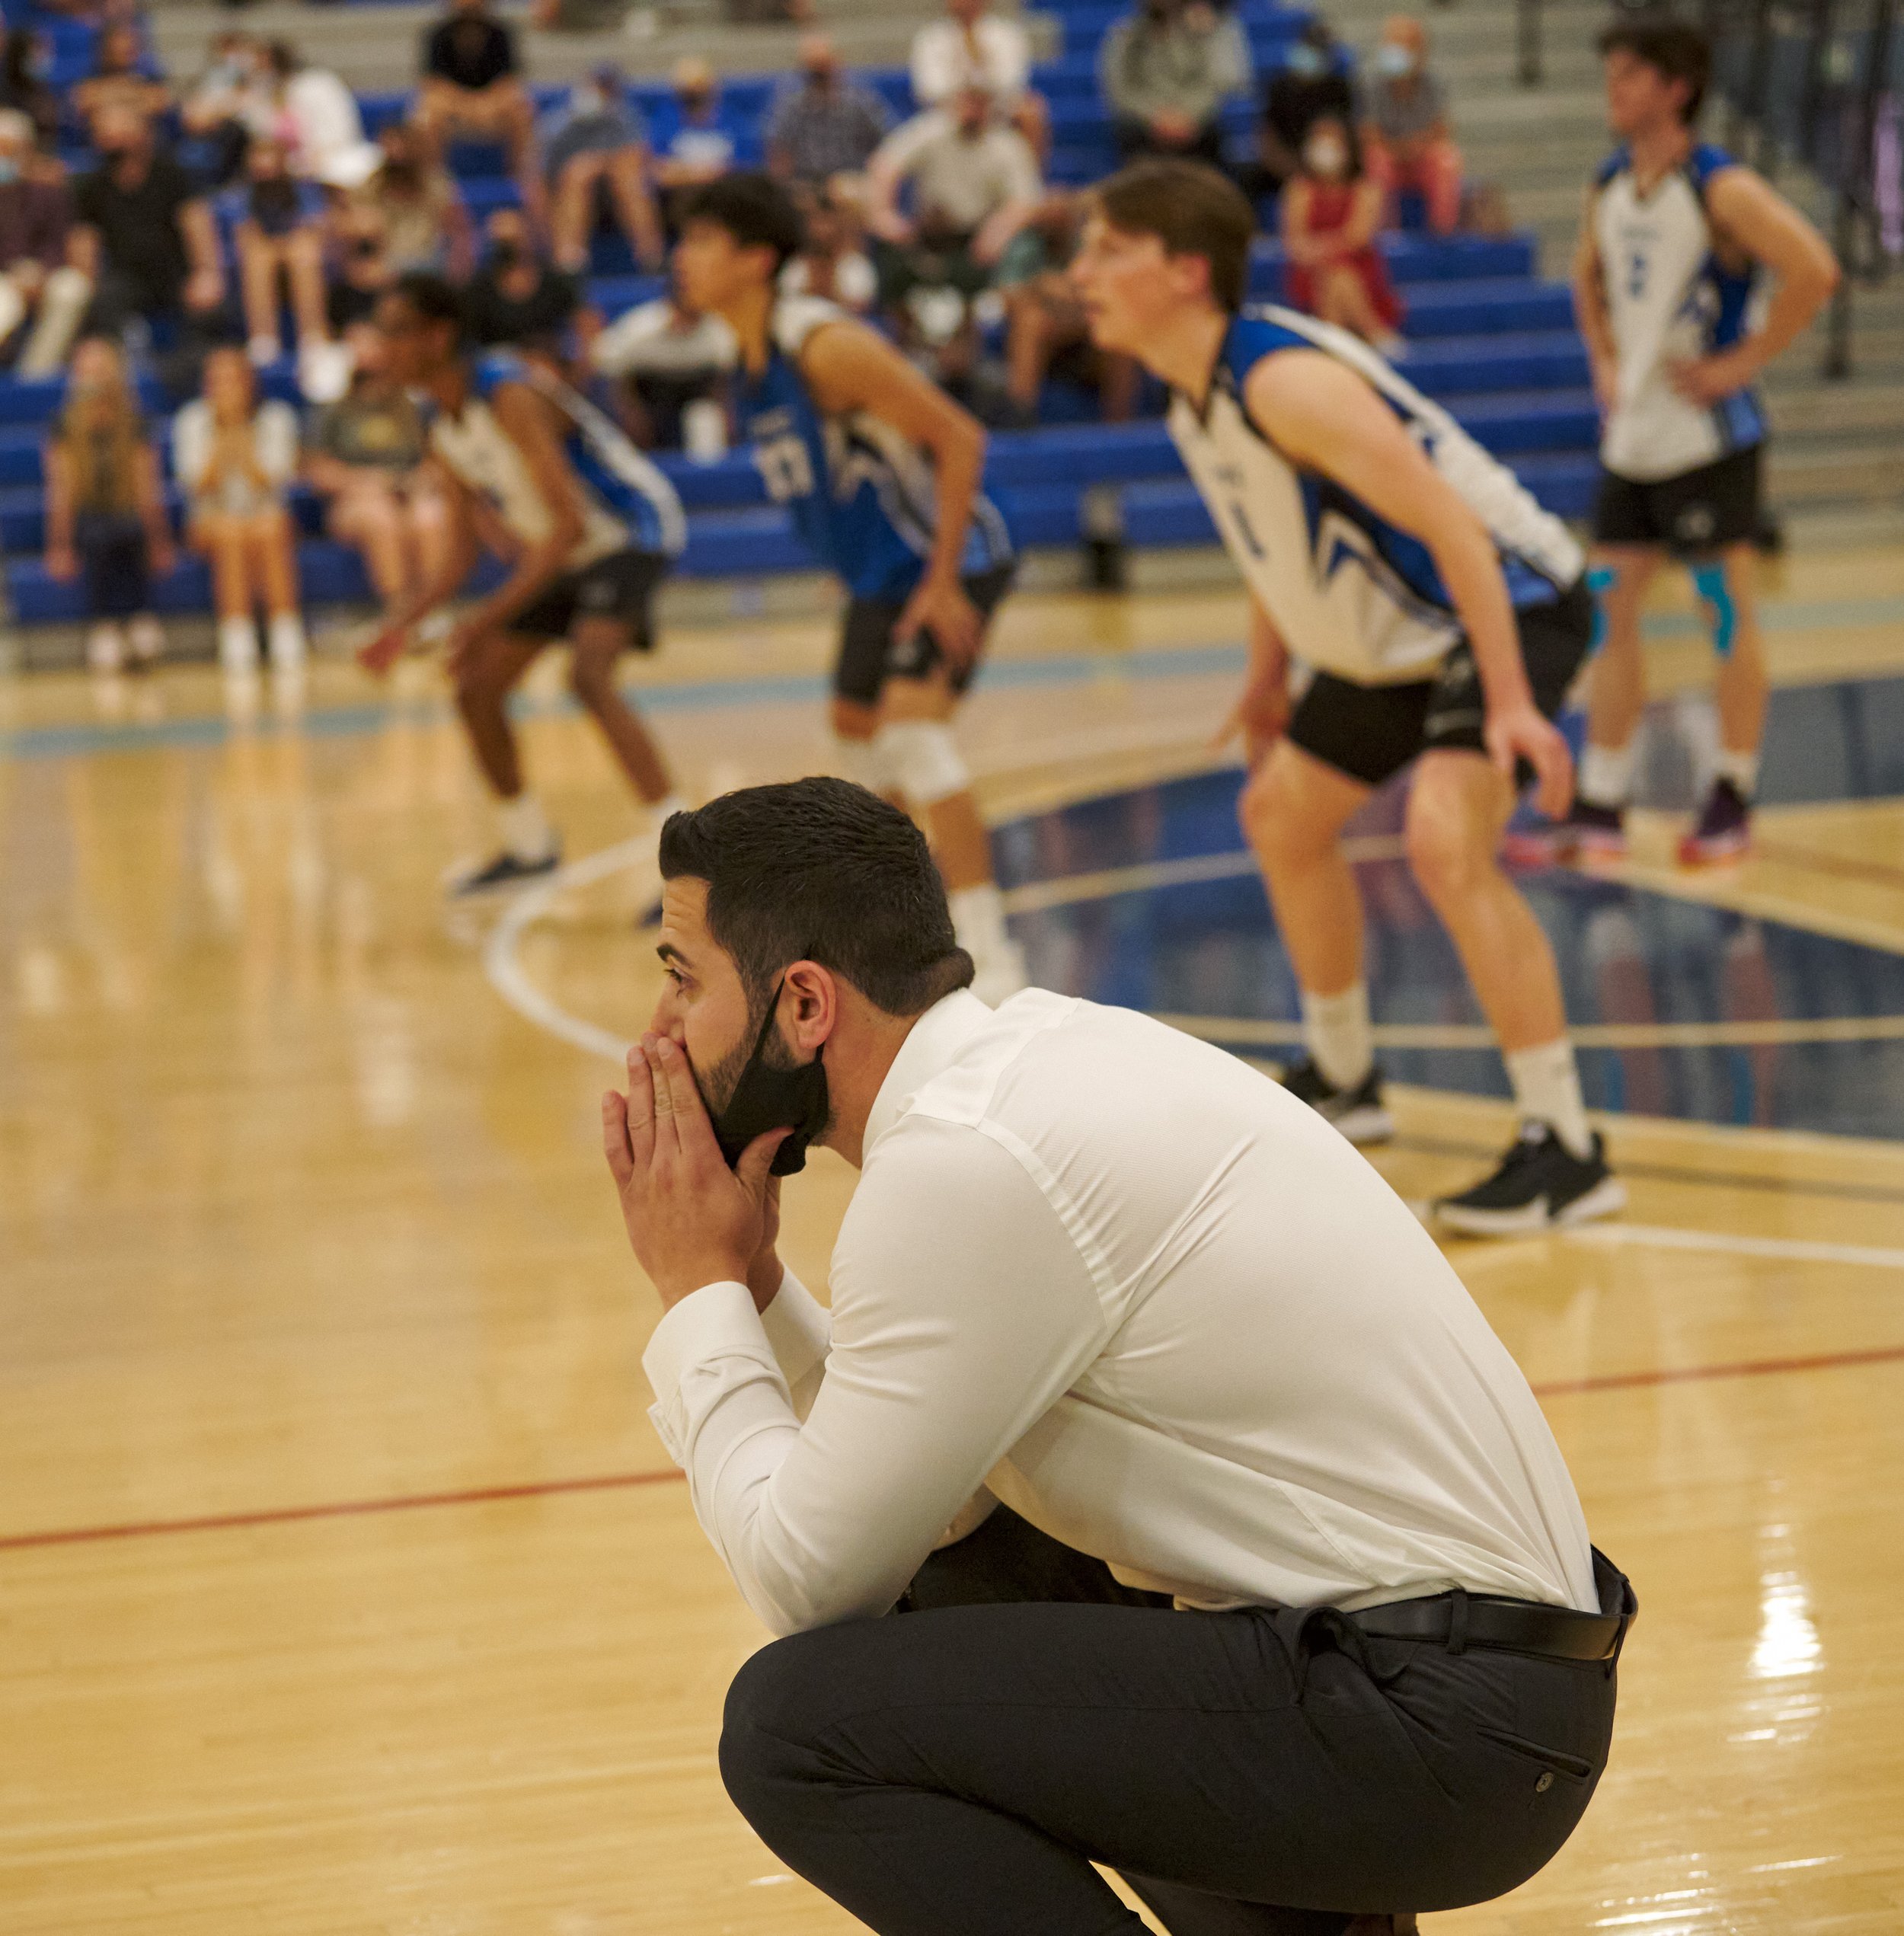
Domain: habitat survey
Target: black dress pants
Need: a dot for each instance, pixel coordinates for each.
(959, 1767)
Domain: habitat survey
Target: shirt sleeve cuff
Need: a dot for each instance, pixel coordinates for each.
(798, 1327)
(715, 1320)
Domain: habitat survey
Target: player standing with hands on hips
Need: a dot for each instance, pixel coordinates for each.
(1443, 614)
(880, 471)
(1675, 239)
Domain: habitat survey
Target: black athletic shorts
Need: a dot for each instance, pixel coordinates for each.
(620, 586)
(870, 655)
(1699, 511)
(1370, 731)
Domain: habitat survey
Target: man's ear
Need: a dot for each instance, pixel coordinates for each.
(810, 1006)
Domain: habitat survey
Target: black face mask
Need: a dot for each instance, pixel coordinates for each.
(766, 1098)
(505, 254)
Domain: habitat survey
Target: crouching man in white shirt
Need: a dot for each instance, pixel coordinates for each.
(1288, 1613)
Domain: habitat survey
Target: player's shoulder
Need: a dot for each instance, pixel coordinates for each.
(1707, 162)
(1266, 330)
(492, 370)
(796, 318)
(1620, 162)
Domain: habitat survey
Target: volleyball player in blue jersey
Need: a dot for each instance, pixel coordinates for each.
(880, 472)
(588, 527)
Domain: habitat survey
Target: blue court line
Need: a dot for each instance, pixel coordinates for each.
(340, 722)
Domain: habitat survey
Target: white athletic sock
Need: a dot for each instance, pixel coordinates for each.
(1606, 775)
(1741, 769)
(238, 645)
(526, 832)
(1547, 1089)
(286, 634)
(1335, 1029)
(978, 919)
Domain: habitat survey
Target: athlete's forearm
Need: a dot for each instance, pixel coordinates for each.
(1589, 307)
(1470, 567)
(958, 446)
(1269, 655)
(537, 568)
(1795, 302)
(459, 560)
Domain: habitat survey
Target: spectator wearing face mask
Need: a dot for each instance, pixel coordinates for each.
(426, 222)
(825, 125)
(1331, 215)
(124, 76)
(25, 61)
(1307, 85)
(596, 152)
(40, 288)
(105, 524)
(146, 239)
(1165, 71)
(222, 107)
(695, 140)
(1405, 134)
(274, 220)
(973, 46)
(515, 299)
(359, 269)
(672, 363)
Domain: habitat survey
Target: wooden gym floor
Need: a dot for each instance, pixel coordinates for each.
(343, 1587)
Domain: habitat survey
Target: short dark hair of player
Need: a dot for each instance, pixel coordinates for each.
(820, 869)
(1192, 210)
(434, 300)
(1672, 50)
(754, 208)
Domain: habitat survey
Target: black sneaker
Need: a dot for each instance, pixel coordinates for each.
(504, 871)
(1540, 1185)
(1359, 1113)
(1723, 831)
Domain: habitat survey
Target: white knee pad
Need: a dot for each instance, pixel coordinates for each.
(859, 760)
(920, 758)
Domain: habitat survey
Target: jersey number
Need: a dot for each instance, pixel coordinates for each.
(785, 468)
(1636, 276)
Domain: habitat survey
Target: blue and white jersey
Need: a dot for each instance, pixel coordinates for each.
(626, 499)
(1350, 593)
(1669, 296)
(860, 496)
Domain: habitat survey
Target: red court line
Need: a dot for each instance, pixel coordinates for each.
(347, 1508)
(1883, 1354)
(617, 1481)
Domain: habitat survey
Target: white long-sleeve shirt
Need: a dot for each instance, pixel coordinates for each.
(1158, 1305)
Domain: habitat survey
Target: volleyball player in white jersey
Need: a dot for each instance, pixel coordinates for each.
(588, 527)
(1440, 615)
(1676, 238)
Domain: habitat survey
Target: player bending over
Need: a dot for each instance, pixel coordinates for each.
(880, 471)
(1442, 613)
(1676, 237)
(588, 528)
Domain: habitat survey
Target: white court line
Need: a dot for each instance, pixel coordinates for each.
(1795, 1250)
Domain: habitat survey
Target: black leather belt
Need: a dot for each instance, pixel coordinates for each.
(1460, 1620)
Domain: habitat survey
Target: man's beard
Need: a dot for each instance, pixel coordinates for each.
(757, 1087)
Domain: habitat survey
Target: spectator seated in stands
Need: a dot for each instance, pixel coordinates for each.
(312, 113)
(1046, 331)
(43, 298)
(472, 85)
(426, 223)
(695, 140)
(1331, 216)
(24, 61)
(973, 179)
(106, 522)
(364, 455)
(596, 150)
(1405, 134)
(831, 262)
(146, 239)
(123, 75)
(515, 299)
(1166, 70)
(824, 124)
(219, 111)
(1307, 85)
(670, 365)
(234, 458)
(275, 221)
(359, 269)
(971, 46)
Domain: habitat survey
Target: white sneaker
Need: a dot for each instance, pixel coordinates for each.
(105, 648)
(146, 638)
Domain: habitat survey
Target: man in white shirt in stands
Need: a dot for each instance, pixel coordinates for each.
(971, 46)
(1283, 1607)
(971, 176)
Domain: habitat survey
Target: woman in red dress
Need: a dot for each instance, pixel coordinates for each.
(1331, 215)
